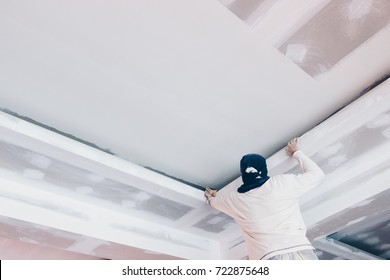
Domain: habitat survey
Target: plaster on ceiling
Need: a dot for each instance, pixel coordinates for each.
(185, 93)
(346, 24)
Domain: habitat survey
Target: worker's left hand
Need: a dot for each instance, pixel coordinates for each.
(210, 192)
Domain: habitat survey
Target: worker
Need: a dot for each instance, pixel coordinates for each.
(267, 208)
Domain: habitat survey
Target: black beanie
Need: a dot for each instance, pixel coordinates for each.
(254, 172)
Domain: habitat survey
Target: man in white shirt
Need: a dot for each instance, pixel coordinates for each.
(267, 208)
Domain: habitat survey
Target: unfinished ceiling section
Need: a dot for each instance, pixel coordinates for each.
(332, 33)
(63, 194)
(369, 235)
(358, 232)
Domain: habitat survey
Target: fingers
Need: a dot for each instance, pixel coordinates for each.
(210, 192)
(293, 141)
(292, 146)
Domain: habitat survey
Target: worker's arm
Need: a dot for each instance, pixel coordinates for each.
(217, 200)
(312, 174)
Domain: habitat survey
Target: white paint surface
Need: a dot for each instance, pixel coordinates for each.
(186, 90)
(296, 52)
(170, 85)
(356, 221)
(386, 132)
(84, 190)
(381, 121)
(40, 161)
(331, 150)
(33, 174)
(337, 160)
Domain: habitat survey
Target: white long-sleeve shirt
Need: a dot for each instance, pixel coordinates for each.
(269, 216)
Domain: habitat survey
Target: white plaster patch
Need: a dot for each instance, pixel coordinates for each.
(380, 121)
(362, 235)
(359, 8)
(84, 190)
(363, 203)
(356, 221)
(33, 174)
(215, 220)
(142, 196)
(385, 246)
(296, 52)
(386, 132)
(372, 240)
(337, 160)
(152, 252)
(229, 226)
(128, 204)
(330, 150)
(40, 161)
(62, 234)
(96, 178)
(28, 240)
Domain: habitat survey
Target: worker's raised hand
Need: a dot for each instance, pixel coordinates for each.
(210, 192)
(292, 146)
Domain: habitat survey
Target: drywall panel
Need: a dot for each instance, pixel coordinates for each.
(334, 32)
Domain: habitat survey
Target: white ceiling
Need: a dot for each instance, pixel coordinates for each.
(182, 87)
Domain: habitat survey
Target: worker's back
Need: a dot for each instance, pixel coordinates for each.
(269, 216)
